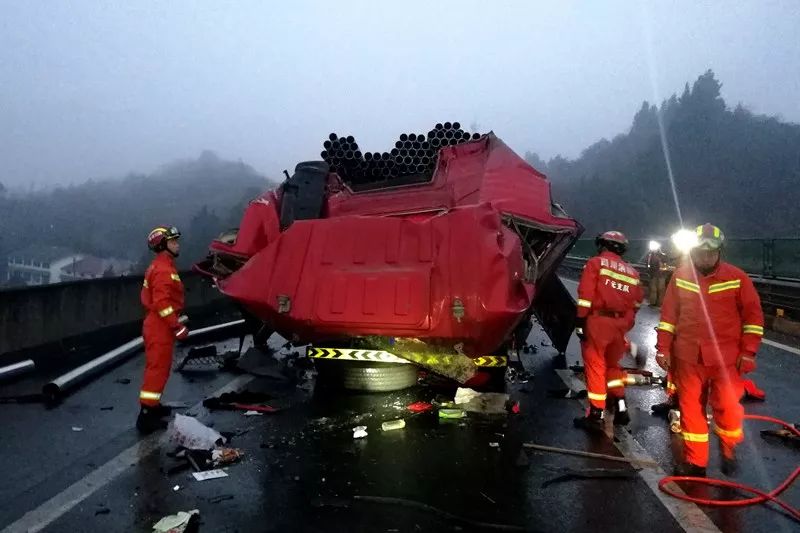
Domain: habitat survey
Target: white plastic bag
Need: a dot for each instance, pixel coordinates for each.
(192, 434)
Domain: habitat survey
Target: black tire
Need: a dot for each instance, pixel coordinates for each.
(368, 377)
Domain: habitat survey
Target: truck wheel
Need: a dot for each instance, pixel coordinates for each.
(369, 377)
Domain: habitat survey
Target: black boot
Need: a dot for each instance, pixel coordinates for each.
(621, 416)
(690, 470)
(149, 421)
(730, 465)
(161, 410)
(593, 421)
(662, 409)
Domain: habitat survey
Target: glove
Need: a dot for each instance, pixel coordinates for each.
(746, 363)
(663, 360)
(182, 333)
(580, 327)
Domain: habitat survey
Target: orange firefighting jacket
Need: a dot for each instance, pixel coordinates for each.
(162, 290)
(713, 318)
(609, 284)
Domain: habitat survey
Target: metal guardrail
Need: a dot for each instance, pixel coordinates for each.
(767, 258)
(776, 294)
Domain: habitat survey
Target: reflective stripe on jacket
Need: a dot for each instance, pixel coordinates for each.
(712, 318)
(609, 284)
(162, 290)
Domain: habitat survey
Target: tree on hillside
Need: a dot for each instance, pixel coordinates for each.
(112, 218)
(729, 167)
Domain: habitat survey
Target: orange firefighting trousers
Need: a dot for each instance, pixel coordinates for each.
(721, 386)
(159, 343)
(602, 351)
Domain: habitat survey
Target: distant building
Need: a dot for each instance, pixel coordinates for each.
(40, 265)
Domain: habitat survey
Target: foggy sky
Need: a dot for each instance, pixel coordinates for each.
(98, 89)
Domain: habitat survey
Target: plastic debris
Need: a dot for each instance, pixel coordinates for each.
(419, 407)
(253, 413)
(752, 392)
(494, 445)
(391, 425)
(176, 523)
(176, 488)
(77, 428)
(193, 434)
(209, 474)
(359, 432)
(452, 413)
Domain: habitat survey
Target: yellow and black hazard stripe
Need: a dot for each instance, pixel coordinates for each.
(491, 361)
(382, 356)
(352, 354)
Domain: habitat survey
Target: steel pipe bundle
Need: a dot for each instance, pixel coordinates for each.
(413, 158)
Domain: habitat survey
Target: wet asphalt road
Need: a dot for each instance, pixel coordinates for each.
(302, 467)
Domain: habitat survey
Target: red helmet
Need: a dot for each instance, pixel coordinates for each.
(709, 237)
(613, 240)
(158, 238)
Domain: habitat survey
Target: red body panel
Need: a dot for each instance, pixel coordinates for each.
(434, 261)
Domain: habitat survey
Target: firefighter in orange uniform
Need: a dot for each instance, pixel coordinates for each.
(609, 294)
(710, 330)
(162, 298)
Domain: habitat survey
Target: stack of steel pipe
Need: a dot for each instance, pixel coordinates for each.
(414, 156)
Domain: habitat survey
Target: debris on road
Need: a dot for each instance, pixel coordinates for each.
(209, 474)
(252, 412)
(123, 381)
(419, 407)
(494, 445)
(452, 413)
(226, 456)
(591, 473)
(177, 523)
(109, 408)
(193, 434)
(176, 488)
(77, 428)
(580, 453)
(359, 432)
(481, 402)
(243, 401)
(782, 435)
(752, 392)
(391, 425)
(567, 394)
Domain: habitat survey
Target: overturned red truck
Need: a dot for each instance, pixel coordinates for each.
(442, 269)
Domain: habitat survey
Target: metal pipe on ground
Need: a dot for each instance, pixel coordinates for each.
(54, 391)
(16, 369)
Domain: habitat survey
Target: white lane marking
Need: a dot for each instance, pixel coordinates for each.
(780, 346)
(688, 515)
(49, 511)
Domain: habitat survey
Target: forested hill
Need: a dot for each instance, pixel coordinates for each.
(112, 218)
(731, 167)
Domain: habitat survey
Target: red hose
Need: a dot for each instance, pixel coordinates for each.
(761, 496)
